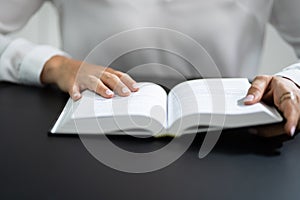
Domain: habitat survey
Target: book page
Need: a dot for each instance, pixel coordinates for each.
(150, 101)
(212, 96)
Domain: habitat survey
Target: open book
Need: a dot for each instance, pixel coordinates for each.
(190, 107)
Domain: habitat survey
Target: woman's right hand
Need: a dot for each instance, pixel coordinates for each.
(74, 76)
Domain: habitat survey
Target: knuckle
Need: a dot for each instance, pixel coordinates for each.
(109, 76)
(262, 80)
(92, 80)
(120, 74)
(115, 78)
(127, 79)
(105, 75)
(279, 82)
(277, 78)
(109, 69)
(255, 87)
(260, 77)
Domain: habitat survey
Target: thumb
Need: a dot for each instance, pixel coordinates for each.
(75, 92)
(257, 89)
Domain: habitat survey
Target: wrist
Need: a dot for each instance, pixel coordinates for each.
(288, 78)
(50, 72)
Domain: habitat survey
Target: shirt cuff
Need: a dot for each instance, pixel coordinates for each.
(291, 72)
(33, 63)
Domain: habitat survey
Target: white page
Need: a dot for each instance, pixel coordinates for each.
(217, 96)
(149, 101)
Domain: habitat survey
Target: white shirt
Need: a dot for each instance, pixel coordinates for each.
(232, 32)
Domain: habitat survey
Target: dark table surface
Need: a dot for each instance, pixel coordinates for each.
(36, 165)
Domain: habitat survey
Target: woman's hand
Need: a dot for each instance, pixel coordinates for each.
(75, 76)
(281, 92)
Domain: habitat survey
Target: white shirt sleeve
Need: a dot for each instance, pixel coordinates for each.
(292, 72)
(285, 18)
(21, 61)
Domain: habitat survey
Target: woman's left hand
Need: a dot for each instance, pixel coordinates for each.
(281, 92)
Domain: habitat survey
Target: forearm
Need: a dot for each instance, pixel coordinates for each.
(22, 61)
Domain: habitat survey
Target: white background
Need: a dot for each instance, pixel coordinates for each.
(43, 28)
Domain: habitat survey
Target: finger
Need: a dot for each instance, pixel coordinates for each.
(257, 89)
(114, 83)
(291, 114)
(125, 78)
(129, 82)
(75, 92)
(98, 87)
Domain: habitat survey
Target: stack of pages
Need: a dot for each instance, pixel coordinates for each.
(190, 107)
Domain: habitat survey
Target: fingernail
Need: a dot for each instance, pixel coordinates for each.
(76, 95)
(292, 131)
(125, 90)
(135, 86)
(249, 97)
(109, 92)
